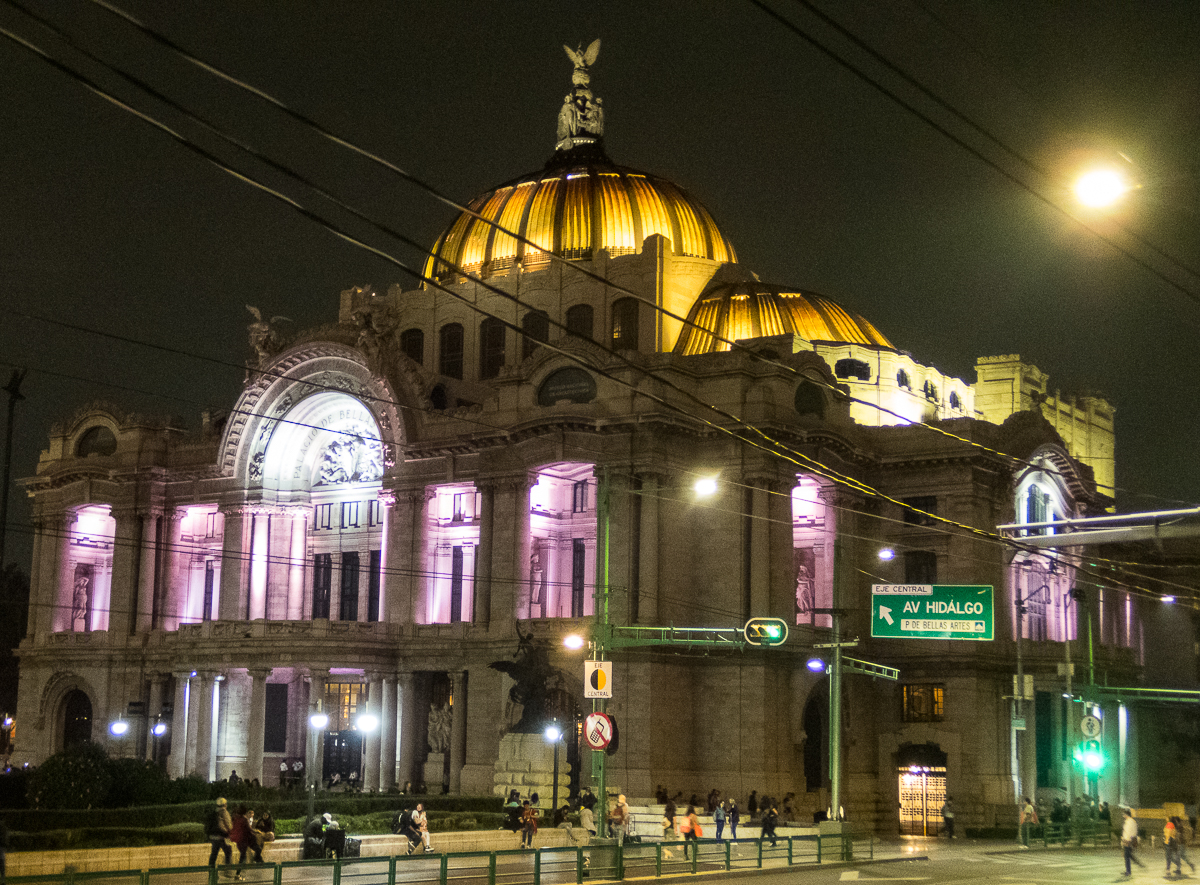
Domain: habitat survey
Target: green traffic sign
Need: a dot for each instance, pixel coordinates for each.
(931, 611)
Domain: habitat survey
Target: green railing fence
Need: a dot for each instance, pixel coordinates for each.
(602, 860)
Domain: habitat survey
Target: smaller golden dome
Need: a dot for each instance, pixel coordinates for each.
(736, 311)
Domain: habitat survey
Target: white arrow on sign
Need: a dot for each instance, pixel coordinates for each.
(885, 613)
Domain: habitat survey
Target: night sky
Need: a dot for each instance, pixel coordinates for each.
(819, 180)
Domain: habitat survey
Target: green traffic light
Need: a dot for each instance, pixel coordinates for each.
(1089, 755)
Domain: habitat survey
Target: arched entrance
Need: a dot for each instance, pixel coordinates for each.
(77, 719)
(922, 773)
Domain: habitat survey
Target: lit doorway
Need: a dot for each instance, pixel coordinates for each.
(922, 775)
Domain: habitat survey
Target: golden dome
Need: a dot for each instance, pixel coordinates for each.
(735, 311)
(573, 209)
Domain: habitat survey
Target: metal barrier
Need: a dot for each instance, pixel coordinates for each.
(602, 860)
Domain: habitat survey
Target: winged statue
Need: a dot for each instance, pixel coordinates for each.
(583, 59)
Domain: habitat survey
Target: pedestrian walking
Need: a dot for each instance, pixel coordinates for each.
(719, 818)
(218, 825)
(1183, 826)
(618, 819)
(769, 819)
(1028, 820)
(1171, 846)
(733, 817)
(948, 817)
(691, 829)
(1129, 841)
(529, 824)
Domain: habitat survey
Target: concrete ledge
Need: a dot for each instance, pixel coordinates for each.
(96, 860)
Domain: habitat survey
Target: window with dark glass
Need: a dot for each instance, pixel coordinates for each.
(322, 517)
(374, 513)
(412, 345)
(373, 587)
(579, 320)
(322, 584)
(955, 402)
(578, 573)
(275, 728)
(925, 503)
(348, 609)
(924, 703)
(450, 350)
(625, 324)
(902, 380)
(920, 567)
(930, 390)
(210, 570)
(536, 331)
(849, 368)
(579, 497)
(809, 399)
(456, 584)
(350, 514)
(491, 347)
(1037, 508)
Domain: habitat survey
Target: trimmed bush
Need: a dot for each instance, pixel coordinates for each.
(76, 778)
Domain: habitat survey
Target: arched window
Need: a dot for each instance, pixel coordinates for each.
(810, 400)
(97, 440)
(437, 397)
(491, 347)
(450, 350)
(930, 390)
(412, 345)
(536, 329)
(579, 320)
(849, 368)
(902, 380)
(625, 324)
(77, 719)
(955, 402)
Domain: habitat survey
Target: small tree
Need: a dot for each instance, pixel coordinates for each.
(79, 777)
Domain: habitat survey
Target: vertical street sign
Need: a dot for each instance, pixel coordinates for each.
(931, 611)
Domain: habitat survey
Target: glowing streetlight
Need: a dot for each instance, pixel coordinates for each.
(705, 486)
(119, 728)
(816, 665)
(367, 722)
(1100, 188)
(318, 720)
(574, 642)
(553, 735)
(886, 554)
(159, 729)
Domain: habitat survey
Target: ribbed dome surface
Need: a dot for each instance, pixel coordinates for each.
(753, 310)
(575, 209)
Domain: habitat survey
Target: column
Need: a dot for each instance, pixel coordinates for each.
(407, 683)
(279, 566)
(314, 764)
(202, 685)
(55, 610)
(297, 565)
(458, 728)
(387, 735)
(233, 564)
(35, 576)
(647, 578)
(375, 708)
(147, 567)
(172, 593)
(154, 708)
(257, 724)
(260, 552)
(122, 592)
(176, 762)
(483, 556)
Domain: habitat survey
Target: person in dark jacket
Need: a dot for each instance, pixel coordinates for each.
(239, 835)
(220, 823)
(733, 816)
(264, 832)
(769, 819)
(752, 804)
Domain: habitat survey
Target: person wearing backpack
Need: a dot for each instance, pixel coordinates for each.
(217, 826)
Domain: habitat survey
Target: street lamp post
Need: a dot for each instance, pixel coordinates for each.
(317, 722)
(554, 735)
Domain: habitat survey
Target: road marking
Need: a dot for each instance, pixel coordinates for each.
(853, 876)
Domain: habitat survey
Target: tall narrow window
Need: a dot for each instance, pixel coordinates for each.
(579, 320)
(322, 582)
(322, 517)
(578, 571)
(450, 350)
(536, 330)
(275, 730)
(350, 514)
(210, 574)
(456, 584)
(348, 610)
(491, 347)
(579, 497)
(373, 587)
(412, 345)
(625, 324)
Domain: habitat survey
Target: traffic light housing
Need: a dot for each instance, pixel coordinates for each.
(766, 632)
(1089, 755)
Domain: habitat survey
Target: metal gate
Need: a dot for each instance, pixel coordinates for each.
(922, 795)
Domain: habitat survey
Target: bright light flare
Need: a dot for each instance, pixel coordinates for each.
(816, 665)
(573, 642)
(368, 722)
(318, 720)
(119, 728)
(553, 733)
(886, 554)
(706, 486)
(159, 729)
(1100, 188)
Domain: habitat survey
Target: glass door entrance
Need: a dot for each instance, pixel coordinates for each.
(922, 795)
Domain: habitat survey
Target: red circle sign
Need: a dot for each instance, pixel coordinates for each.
(597, 730)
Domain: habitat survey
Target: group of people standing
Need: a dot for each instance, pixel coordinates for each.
(241, 828)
